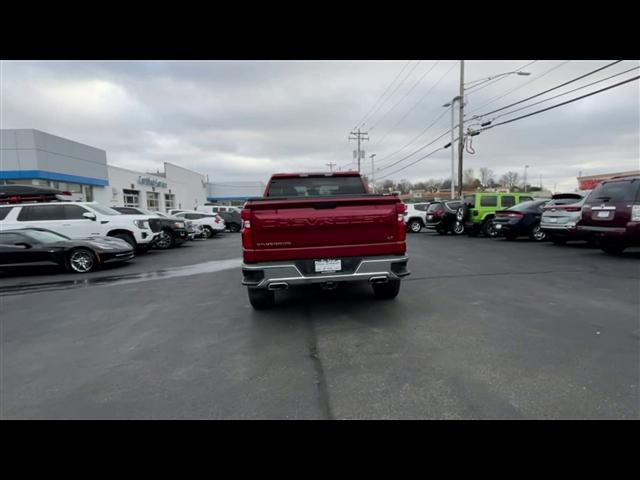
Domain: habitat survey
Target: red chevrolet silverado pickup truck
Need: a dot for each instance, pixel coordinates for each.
(322, 228)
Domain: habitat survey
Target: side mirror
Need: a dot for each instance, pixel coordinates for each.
(22, 244)
(89, 215)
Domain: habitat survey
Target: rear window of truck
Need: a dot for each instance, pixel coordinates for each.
(315, 187)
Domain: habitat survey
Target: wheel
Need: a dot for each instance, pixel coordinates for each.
(208, 231)
(537, 234)
(81, 260)
(165, 240)
(386, 291)
(261, 299)
(127, 237)
(558, 240)
(234, 228)
(614, 248)
(461, 214)
(458, 228)
(415, 226)
(489, 229)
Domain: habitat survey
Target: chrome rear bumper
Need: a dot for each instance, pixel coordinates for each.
(282, 275)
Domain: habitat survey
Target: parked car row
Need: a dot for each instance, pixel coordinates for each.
(608, 216)
(40, 226)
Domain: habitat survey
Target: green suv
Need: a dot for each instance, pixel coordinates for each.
(479, 209)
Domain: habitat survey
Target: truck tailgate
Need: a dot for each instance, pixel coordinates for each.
(324, 228)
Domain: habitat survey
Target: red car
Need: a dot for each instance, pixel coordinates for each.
(322, 228)
(611, 214)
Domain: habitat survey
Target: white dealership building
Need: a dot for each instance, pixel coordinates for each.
(32, 157)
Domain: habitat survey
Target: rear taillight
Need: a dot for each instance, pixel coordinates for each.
(635, 213)
(247, 238)
(510, 215)
(573, 209)
(401, 208)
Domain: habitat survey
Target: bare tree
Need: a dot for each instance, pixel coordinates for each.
(486, 175)
(509, 180)
(432, 185)
(386, 186)
(403, 186)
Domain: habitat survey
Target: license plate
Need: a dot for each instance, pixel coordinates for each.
(323, 266)
(553, 220)
(603, 214)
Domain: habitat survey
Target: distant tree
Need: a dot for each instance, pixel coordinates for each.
(387, 185)
(445, 184)
(509, 180)
(420, 186)
(432, 185)
(486, 176)
(403, 186)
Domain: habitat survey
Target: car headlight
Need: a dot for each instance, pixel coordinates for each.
(142, 224)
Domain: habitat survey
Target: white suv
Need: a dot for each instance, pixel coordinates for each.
(210, 222)
(217, 208)
(416, 216)
(79, 220)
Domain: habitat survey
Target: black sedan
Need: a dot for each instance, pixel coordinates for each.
(441, 217)
(521, 220)
(38, 246)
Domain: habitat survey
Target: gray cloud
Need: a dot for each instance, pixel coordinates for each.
(245, 120)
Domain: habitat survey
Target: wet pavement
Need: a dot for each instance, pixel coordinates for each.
(481, 329)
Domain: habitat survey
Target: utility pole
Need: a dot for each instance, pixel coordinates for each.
(359, 136)
(330, 165)
(525, 177)
(460, 132)
(373, 172)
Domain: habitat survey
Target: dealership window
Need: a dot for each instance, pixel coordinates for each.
(153, 201)
(169, 201)
(131, 198)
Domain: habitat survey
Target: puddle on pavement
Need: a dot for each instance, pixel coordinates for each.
(184, 271)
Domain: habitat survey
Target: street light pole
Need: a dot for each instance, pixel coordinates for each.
(373, 173)
(453, 168)
(460, 127)
(525, 177)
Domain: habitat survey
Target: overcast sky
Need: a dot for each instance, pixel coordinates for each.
(245, 120)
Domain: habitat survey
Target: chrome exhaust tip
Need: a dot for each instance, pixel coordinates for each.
(278, 286)
(379, 279)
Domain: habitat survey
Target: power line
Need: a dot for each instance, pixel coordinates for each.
(427, 128)
(413, 108)
(412, 163)
(551, 89)
(392, 93)
(565, 93)
(495, 80)
(361, 122)
(418, 150)
(560, 104)
(405, 95)
(519, 87)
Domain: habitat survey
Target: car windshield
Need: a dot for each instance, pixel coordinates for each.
(103, 210)
(44, 237)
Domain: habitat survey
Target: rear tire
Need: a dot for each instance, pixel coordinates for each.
(386, 291)
(489, 229)
(208, 232)
(537, 234)
(458, 228)
(261, 299)
(234, 228)
(415, 226)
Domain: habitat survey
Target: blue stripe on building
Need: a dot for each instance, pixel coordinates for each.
(55, 176)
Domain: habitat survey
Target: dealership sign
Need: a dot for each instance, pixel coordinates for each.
(152, 182)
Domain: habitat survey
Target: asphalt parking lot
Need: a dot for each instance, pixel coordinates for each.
(482, 329)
